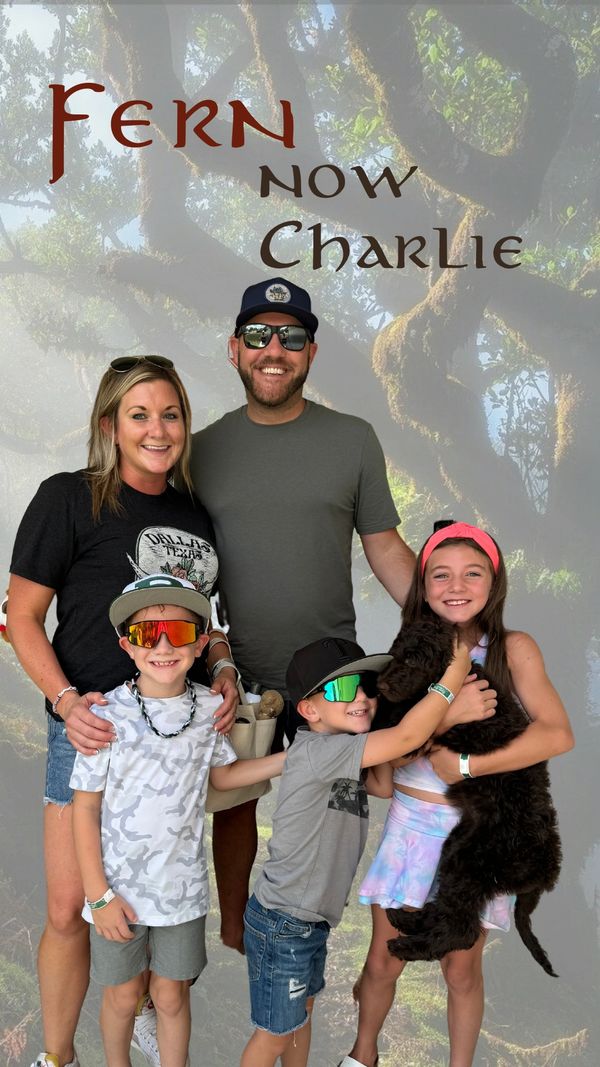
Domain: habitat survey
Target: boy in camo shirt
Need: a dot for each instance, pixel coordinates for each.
(138, 817)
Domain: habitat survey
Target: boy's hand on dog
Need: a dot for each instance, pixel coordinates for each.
(461, 655)
(475, 701)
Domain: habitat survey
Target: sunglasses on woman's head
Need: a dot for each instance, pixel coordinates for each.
(122, 364)
(179, 632)
(346, 687)
(259, 334)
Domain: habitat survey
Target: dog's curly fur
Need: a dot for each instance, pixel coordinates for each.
(507, 839)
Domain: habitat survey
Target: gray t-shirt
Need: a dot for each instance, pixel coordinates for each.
(319, 828)
(284, 501)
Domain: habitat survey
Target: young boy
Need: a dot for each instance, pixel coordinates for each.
(138, 817)
(319, 832)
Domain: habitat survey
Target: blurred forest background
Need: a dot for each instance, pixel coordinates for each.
(483, 385)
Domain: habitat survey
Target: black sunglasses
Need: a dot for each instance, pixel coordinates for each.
(124, 363)
(259, 334)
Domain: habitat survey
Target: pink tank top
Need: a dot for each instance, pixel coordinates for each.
(420, 774)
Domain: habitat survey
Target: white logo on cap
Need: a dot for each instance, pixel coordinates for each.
(278, 294)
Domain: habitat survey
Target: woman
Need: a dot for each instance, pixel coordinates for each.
(84, 536)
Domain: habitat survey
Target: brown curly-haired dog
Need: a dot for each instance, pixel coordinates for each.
(507, 839)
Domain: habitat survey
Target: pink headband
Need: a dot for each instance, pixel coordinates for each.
(462, 529)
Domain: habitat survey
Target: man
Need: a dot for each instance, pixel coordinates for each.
(286, 482)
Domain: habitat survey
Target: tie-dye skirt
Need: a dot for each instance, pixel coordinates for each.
(404, 868)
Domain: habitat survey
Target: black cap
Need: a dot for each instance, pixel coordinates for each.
(327, 658)
(277, 294)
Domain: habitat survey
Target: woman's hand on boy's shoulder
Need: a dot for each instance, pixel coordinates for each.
(112, 921)
(87, 732)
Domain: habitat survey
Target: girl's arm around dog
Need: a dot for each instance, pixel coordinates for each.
(475, 701)
(548, 734)
(421, 721)
(247, 771)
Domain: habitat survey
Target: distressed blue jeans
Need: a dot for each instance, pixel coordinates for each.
(286, 965)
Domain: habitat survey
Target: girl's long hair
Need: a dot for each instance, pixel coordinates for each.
(102, 471)
(489, 620)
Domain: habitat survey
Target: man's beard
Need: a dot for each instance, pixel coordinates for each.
(272, 398)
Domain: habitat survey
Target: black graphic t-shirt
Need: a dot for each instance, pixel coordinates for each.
(88, 563)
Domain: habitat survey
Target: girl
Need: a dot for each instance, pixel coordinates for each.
(461, 577)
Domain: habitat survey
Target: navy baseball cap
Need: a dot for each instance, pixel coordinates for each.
(277, 294)
(327, 658)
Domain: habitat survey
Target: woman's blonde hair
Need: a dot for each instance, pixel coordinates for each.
(103, 453)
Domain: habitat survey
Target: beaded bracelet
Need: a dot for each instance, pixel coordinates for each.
(67, 689)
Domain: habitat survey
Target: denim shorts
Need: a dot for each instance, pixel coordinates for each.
(59, 765)
(286, 965)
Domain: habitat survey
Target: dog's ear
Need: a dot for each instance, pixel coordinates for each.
(421, 653)
(388, 714)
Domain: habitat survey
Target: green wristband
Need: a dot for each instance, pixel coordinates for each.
(437, 687)
(96, 905)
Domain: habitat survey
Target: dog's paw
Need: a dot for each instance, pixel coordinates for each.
(395, 947)
(408, 922)
(414, 948)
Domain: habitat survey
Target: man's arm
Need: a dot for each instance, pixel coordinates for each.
(391, 561)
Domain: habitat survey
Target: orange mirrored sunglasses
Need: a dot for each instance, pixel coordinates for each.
(179, 632)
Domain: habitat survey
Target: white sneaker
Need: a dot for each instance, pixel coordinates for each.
(48, 1059)
(144, 1033)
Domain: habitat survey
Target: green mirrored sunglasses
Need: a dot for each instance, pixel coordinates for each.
(346, 686)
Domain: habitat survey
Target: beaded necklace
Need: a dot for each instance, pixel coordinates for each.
(190, 690)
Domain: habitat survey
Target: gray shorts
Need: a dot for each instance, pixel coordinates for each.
(177, 952)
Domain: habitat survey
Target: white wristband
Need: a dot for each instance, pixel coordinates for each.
(220, 665)
(437, 687)
(96, 905)
(220, 640)
(463, 765)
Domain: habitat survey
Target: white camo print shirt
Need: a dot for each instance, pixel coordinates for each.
(152, 821)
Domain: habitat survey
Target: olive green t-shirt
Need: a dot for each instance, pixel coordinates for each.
(284, 501)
